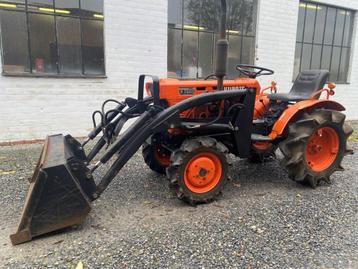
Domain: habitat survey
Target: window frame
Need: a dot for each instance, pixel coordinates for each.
(351, 29)
(214, 34)
(55, 15)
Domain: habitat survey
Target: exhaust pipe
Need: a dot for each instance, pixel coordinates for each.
(222, 46)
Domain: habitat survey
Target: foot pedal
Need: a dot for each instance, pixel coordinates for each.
(260, 138)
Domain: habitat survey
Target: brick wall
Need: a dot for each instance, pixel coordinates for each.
(135, 43)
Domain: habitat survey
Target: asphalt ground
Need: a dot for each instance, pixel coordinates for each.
(262, 220)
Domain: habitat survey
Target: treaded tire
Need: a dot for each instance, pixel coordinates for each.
(295, 146)
(150, 158)
(181, 157)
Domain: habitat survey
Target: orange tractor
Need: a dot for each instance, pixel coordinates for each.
(187, 129)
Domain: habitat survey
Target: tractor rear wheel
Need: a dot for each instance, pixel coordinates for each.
(156, 157)
(199, 170)
(315, 146)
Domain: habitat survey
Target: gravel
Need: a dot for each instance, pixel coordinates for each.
(263, 220)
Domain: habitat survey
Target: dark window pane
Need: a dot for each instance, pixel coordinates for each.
(310, 22)
(250, 18)
(174, 53)
(68, 4)
(93, 52)
(306, 57)
(14, 42)
(338, 36)
(13, 1)
(335, 63)
(209, 15)
(190, 54)
(92, 8)
(326, 57)
(332, 31)
(234, 55)
(206, 46)
(175, 11)
(238, 13)
(200, 32)
(43, 45)
(69, 45)
(296, 68)
(347, 39)
(13, 4)
(320, 22)
(248, 50)
(316, 57)
(241, 16)
(330, 23)
(301, 19)
(192, 9)
(343, 74)
(40, 3)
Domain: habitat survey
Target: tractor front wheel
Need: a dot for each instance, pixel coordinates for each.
(315, 146)
(156, 157)
(198, 170)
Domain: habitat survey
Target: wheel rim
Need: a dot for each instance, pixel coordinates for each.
(322, 149)
(162, 157)
(203, 172)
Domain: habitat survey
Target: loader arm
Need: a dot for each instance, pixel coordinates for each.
(63, 185)
(153, 121)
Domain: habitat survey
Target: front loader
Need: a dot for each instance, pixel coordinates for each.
(187, 129)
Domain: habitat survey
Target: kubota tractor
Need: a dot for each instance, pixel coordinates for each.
(186, 129)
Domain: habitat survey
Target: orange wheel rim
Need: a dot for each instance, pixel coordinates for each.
(162, 158)
(203, 172)
(322, 149)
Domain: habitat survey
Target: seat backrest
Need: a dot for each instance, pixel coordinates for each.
(308, 82)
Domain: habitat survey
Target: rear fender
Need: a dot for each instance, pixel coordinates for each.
(289, 114)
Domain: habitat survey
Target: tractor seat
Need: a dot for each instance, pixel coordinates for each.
(306, 84)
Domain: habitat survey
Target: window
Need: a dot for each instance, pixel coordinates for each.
(324, 39)
(193, 32)
(52, 37)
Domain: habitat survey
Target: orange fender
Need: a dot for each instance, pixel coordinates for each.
(307, 105)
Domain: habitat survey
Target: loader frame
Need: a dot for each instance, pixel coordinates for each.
(154, 119)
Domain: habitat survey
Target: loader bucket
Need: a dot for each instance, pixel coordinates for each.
(60, 190)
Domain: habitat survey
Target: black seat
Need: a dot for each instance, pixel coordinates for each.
(306, 83)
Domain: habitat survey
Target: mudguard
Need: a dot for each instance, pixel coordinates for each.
(289, 114)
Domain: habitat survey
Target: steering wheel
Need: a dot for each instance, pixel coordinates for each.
(247, 70)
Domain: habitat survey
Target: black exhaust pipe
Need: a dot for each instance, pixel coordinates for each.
(222, 46)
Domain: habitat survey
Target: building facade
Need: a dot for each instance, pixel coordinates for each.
(62, 59)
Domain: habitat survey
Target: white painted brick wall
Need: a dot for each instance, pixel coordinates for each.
(135, 43)
(276, 39)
